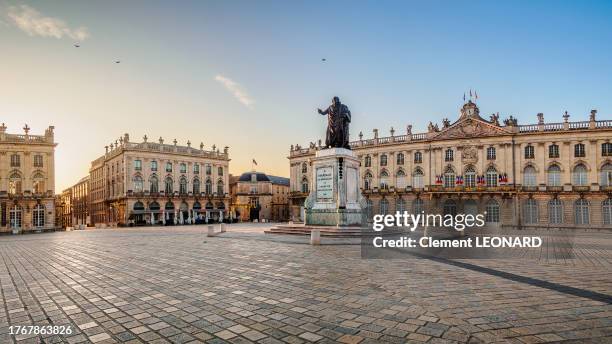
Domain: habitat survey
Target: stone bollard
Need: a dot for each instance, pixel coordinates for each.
(211, 231)
(315, 237)
(222, 228)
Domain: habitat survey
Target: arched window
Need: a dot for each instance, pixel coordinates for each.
(196, 186)
(384, 206)
(169, 187)
(581, 212)
(197, 206)
(470, 177)
(383, 160)
(169, 206)
(208, 187)
(529, 176)
(384, 180)
(448, 155)
(529, 152)
(554, 175)
(153, 184)
(553, 151)
(183, 185)
(491, 177)
(400, 205)
(304, 167)
(138, 206)
(401, 179)
(606, 149)
(38, 216)
(418, 206)
(183, 167)
(530, 211)
(138, 183)
(367, 181)
(15, 216)
(304, 185)
(417, 179)
(492, 209)
(450, 207)
(449, 177)
(154, 206)
(418, 157)
(15, 184)
(580, 175)
(579, 150)
(606, 211)
(38, 183)
(606, 175)
(555, 211)
(400, 158)
(491, 153)
(220, 190)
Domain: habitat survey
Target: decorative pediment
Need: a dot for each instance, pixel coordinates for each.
(470, 127)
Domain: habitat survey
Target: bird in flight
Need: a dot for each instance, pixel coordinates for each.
(77, 45)
(117, 61)
(323, 60)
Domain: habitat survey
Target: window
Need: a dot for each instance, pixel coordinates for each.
(368, 161)
(555, 211)
(153, 166)
(449, 178)
(554, 175)
(153, 184)
(196, 168)
(530, 211)
(168, 167)
(401, 179)
(400, 158)
(448, 155)
(208, 187)
(606, 175)
(138, 184)
(581, 212)
(14, 184)
(208, 170)
(38, 216)
(491, 177)
(553, 151)
(450, 207)
(219, 171)
(529, 152)
(15, 216)
(38, 183)
(491, 153)
(369, 208)
(418, 157)
(400, 205)
(580, 175)
(384, 206)
(15, 160)
(304, 167)
(417, 179)
(183, 186)
(606, 149)
(196, 186)
(579, 151)
(470, 177)
(492, 209)
(220, 190)
(384, 180)
(529, 176)
(38, 160)
(183, 168)
(367, 181)
(137, 165)
(169, 185)
(383, 160)
(417, 206)
(304, 185)
(606, 211)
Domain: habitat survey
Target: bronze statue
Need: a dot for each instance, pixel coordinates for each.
(338, 119)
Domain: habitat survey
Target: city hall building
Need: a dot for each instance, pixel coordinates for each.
(27, 181)
(523, 176)
(154, 183)
(257, 196)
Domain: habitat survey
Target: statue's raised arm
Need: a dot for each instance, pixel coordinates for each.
(338, 118)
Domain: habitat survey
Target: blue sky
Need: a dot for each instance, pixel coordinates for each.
(249, 75)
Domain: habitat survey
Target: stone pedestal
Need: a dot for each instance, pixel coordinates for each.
(335, 199)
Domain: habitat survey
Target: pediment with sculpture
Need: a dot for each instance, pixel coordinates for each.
(470, 127)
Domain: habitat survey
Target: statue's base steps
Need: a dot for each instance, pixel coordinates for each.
(326, 231)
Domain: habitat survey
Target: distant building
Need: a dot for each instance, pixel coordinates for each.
(27, 181)
(152, 183)
(63, 207)
(523, 176)
(258, 196)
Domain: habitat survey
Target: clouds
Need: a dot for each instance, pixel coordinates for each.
(34, 23)
(236, 90)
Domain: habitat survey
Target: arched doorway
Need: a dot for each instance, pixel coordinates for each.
(197, 208)
(254, 209)
(169, 213)
(138, 214)
(154, 209)
(184, 214)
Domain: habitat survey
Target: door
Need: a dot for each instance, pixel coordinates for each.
(15, 217)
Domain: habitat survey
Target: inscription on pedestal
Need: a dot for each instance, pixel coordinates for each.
(325, 183)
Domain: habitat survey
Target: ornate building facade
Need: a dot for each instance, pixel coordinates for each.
(153, 183)
(258, 196)
(27, 181)
(522, 176)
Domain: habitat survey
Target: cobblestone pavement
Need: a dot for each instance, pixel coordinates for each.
(173, 284)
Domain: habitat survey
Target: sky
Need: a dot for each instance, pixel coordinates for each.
(250, 75)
